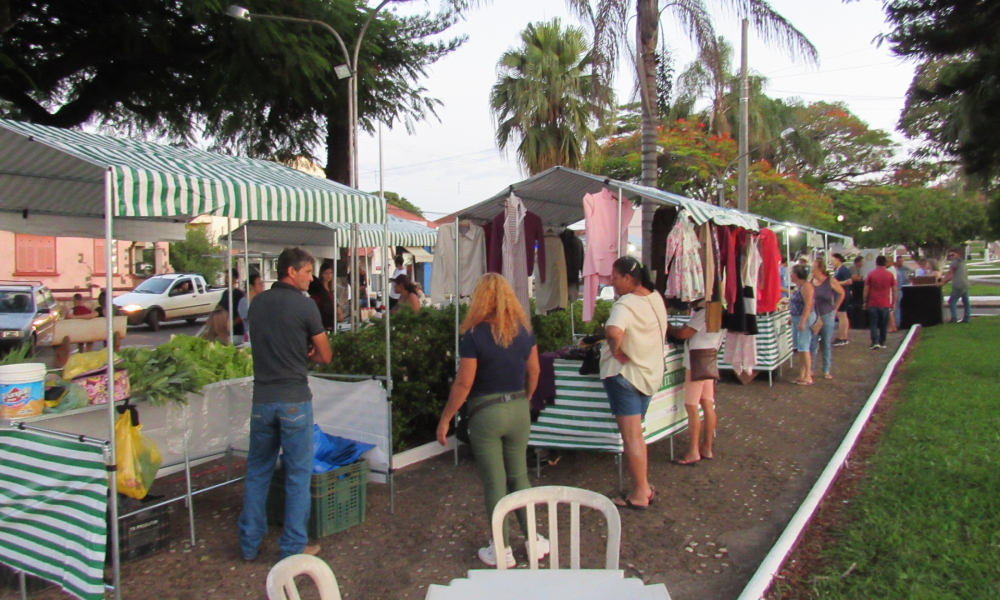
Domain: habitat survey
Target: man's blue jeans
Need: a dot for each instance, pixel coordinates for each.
(878, 323)
(953, 305)
(287, 426)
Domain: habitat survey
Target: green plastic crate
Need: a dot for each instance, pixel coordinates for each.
(339, 499)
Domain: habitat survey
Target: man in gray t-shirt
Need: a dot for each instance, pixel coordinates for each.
(287, 334)
(958, 275)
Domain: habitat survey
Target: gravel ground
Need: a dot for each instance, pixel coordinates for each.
(709, 529)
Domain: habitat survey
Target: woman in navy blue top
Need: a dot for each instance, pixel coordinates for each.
(497, 374)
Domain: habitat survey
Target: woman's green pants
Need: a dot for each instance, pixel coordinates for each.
(499, 438)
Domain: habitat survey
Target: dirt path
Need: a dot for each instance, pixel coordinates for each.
(710, 527)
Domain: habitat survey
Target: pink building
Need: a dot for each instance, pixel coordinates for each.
(70, 265)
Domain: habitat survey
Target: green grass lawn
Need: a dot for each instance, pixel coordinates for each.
(926, 523)
(975, 289)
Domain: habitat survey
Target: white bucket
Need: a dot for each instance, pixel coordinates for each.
(22, 390)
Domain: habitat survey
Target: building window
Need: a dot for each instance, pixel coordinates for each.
(35, 255)
(99, 258)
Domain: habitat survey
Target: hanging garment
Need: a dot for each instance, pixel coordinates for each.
(735, 318)
(727, 262)
(751, 275)
(553, 293)
(706, 237)
(741, 352)
(573, 249)
(769, 287)
(602, 217)
(515, 269)
(685, 276)
(534, 236)
(470, 266)
(663, 224)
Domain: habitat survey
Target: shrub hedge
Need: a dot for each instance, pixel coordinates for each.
(423, 360)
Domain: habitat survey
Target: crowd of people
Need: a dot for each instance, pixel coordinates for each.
(499, 371)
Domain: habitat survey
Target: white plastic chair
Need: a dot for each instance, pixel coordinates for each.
(281, 580)
(553, 495)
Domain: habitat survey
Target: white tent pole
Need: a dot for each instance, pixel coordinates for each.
(109, 316)
(229, 276)
(246, 255)
(388, 340)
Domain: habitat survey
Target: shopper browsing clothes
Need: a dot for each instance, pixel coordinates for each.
(880, 298)
(287, 335)
(497, 374)
(393, 295)
(632, 366)
(701, 371)
(408, 295)
(827, 296)
(800, 306)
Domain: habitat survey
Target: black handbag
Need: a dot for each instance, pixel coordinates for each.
(704, 364)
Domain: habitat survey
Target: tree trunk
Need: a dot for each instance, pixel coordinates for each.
(647, 29)
(337, 148)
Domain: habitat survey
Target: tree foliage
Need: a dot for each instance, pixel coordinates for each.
(954, 100)
(193, 254)
(396, 200)
(543, 97)
(181, 69)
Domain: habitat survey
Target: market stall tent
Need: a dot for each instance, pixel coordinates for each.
(77, 175)
(324, 238)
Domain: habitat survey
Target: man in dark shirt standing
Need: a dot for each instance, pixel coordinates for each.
(287, 334)
(880, 298)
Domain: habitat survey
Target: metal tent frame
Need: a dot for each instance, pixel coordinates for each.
(70, 174)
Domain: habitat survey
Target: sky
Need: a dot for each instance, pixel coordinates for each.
(452, 163)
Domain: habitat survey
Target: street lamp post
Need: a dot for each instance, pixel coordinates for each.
(345, 71)
(722, 178)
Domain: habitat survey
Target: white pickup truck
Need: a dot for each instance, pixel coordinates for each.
(172, 297)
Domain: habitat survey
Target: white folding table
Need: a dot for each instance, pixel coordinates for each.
(547, 584)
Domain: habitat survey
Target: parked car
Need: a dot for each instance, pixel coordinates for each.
(171, 297)
(28, 315)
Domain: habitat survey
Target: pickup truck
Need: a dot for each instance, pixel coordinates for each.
(28, 315)
(171, 297)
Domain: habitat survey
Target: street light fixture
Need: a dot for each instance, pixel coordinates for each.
(343, 71)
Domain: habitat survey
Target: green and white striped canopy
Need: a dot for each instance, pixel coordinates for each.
(47, 170)
(269, 235)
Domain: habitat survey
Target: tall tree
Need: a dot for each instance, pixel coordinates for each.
(181, 69)
(955, 92)
(542, 99)
(611, 34)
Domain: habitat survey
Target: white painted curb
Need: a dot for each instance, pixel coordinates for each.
(772, 563)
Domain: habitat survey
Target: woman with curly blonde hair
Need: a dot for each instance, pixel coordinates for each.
(497, 374)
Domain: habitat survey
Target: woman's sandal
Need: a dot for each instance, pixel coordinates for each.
(626, 503)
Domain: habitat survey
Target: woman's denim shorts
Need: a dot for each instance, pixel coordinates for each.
(801, 340)
(625, 399)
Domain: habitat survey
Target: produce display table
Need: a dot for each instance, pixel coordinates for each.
(581, 417)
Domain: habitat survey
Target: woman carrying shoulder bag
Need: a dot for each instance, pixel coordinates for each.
(800, 306)
(701, 350)
(497, 373)
(632, 366)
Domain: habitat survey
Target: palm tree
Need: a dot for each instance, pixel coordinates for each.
(542, 97)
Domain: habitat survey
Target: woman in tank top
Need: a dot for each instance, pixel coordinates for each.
(827, 296)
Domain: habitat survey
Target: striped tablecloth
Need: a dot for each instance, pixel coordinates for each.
(53, 500)
(774, 340)
(581, 416)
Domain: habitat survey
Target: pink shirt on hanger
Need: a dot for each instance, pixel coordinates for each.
(601, 213)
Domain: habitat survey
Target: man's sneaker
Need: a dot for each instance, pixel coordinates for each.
(874, 347)
(489, 556)
(542, 544)
(841, 343)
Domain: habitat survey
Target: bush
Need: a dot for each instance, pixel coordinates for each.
(423, 361)
(193, 254)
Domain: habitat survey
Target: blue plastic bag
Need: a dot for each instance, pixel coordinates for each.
(332, 452)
